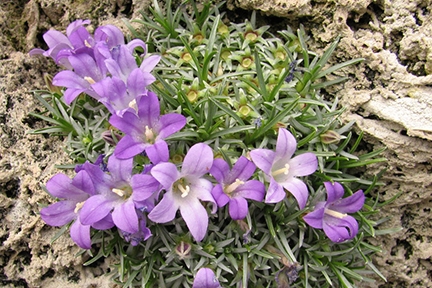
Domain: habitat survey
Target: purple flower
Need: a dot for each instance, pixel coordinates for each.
(234, 186)
(205, 278)
(185, 189)
(77, 37)
(143, 233)
(119, 193)
(281, 170)
(74, 192)
(331, 215)
(146, 129)
(86, 72)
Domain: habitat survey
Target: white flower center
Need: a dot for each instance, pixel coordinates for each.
(284, 170)
(89, 80)
(233, 186)
(78, 206)
(149, 135)
(183, 189)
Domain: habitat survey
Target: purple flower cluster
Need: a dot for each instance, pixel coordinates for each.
(102, 197)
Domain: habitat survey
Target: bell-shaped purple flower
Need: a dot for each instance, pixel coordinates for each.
(74, 193)
(119, 193)
(146, 130)
(234, 186)
(282, 170)
(331, 215)
(205, 278)
(185, 189)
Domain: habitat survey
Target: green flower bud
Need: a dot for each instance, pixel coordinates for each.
(330, 137)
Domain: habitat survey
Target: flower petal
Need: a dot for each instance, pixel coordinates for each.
(298, 189)
(125, 217)
(149, 63)
(165, 210)
(149, 109)
(304, 164)
(335, 191)
(205, 278)
(349, 204)
(128, 147)
(95, 209)
(195, 216)
(275, 192)
(80, 234)
(263, 159)
(238, 208)
(315, 218)
(220, 197)
(198, 160)
(109, 34)
(286, 144)
(170, 124)
(59, 213)
(340, 229)
(158, 152)
(243, 169)
(83, 182)
(60, 186)
(143, 187)
(252, 189)
(129, 123)
(166, 174)
(219, 170)
(120, 169)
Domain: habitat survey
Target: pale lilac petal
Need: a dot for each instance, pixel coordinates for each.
(125, 217)
(80, 37)
(263, 159)
(219, 170)
(340, 229)
(299, 190)
(128, 147)
(83, 182)
(350, 204)
(243, 169)
(275, 192)
(129, 123)
(59, 213)
(71, 94)
(195, 216)
(112, 92)
(158, 152)
(70, 79)
(143, 187)
(36, 51)
(109, 34)
(104, 224)
(149, 109)
(238, 208)
(60, 186)
(219, 195)
(122, 62)
(205, 278)
(76, 24)
(201, 189)
(95, 208)
(137, 82)
(165, 210)
(132, 45)
(150, 63)
(335, 191)
(315, 218)
(304, 164)
(53, 38)
(286, 144)
(85, 66)
(120, 169)
(198, 160)
(101, 180)
(171, 123)
(166, 174)
(80, 234)
(252, 189)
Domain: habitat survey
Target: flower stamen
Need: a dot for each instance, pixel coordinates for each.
(149, 134)
(185, 190)
(89, 80)
(119, 192)
(233, 186)
(334, 213)
(284, 170)
(78, 206)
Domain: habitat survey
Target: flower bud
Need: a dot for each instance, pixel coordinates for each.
(330, 137)
(183, 250)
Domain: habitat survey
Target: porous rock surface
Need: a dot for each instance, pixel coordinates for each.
(389, 96)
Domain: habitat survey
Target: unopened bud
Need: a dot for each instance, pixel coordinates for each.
(183, 249)
(330, 137)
